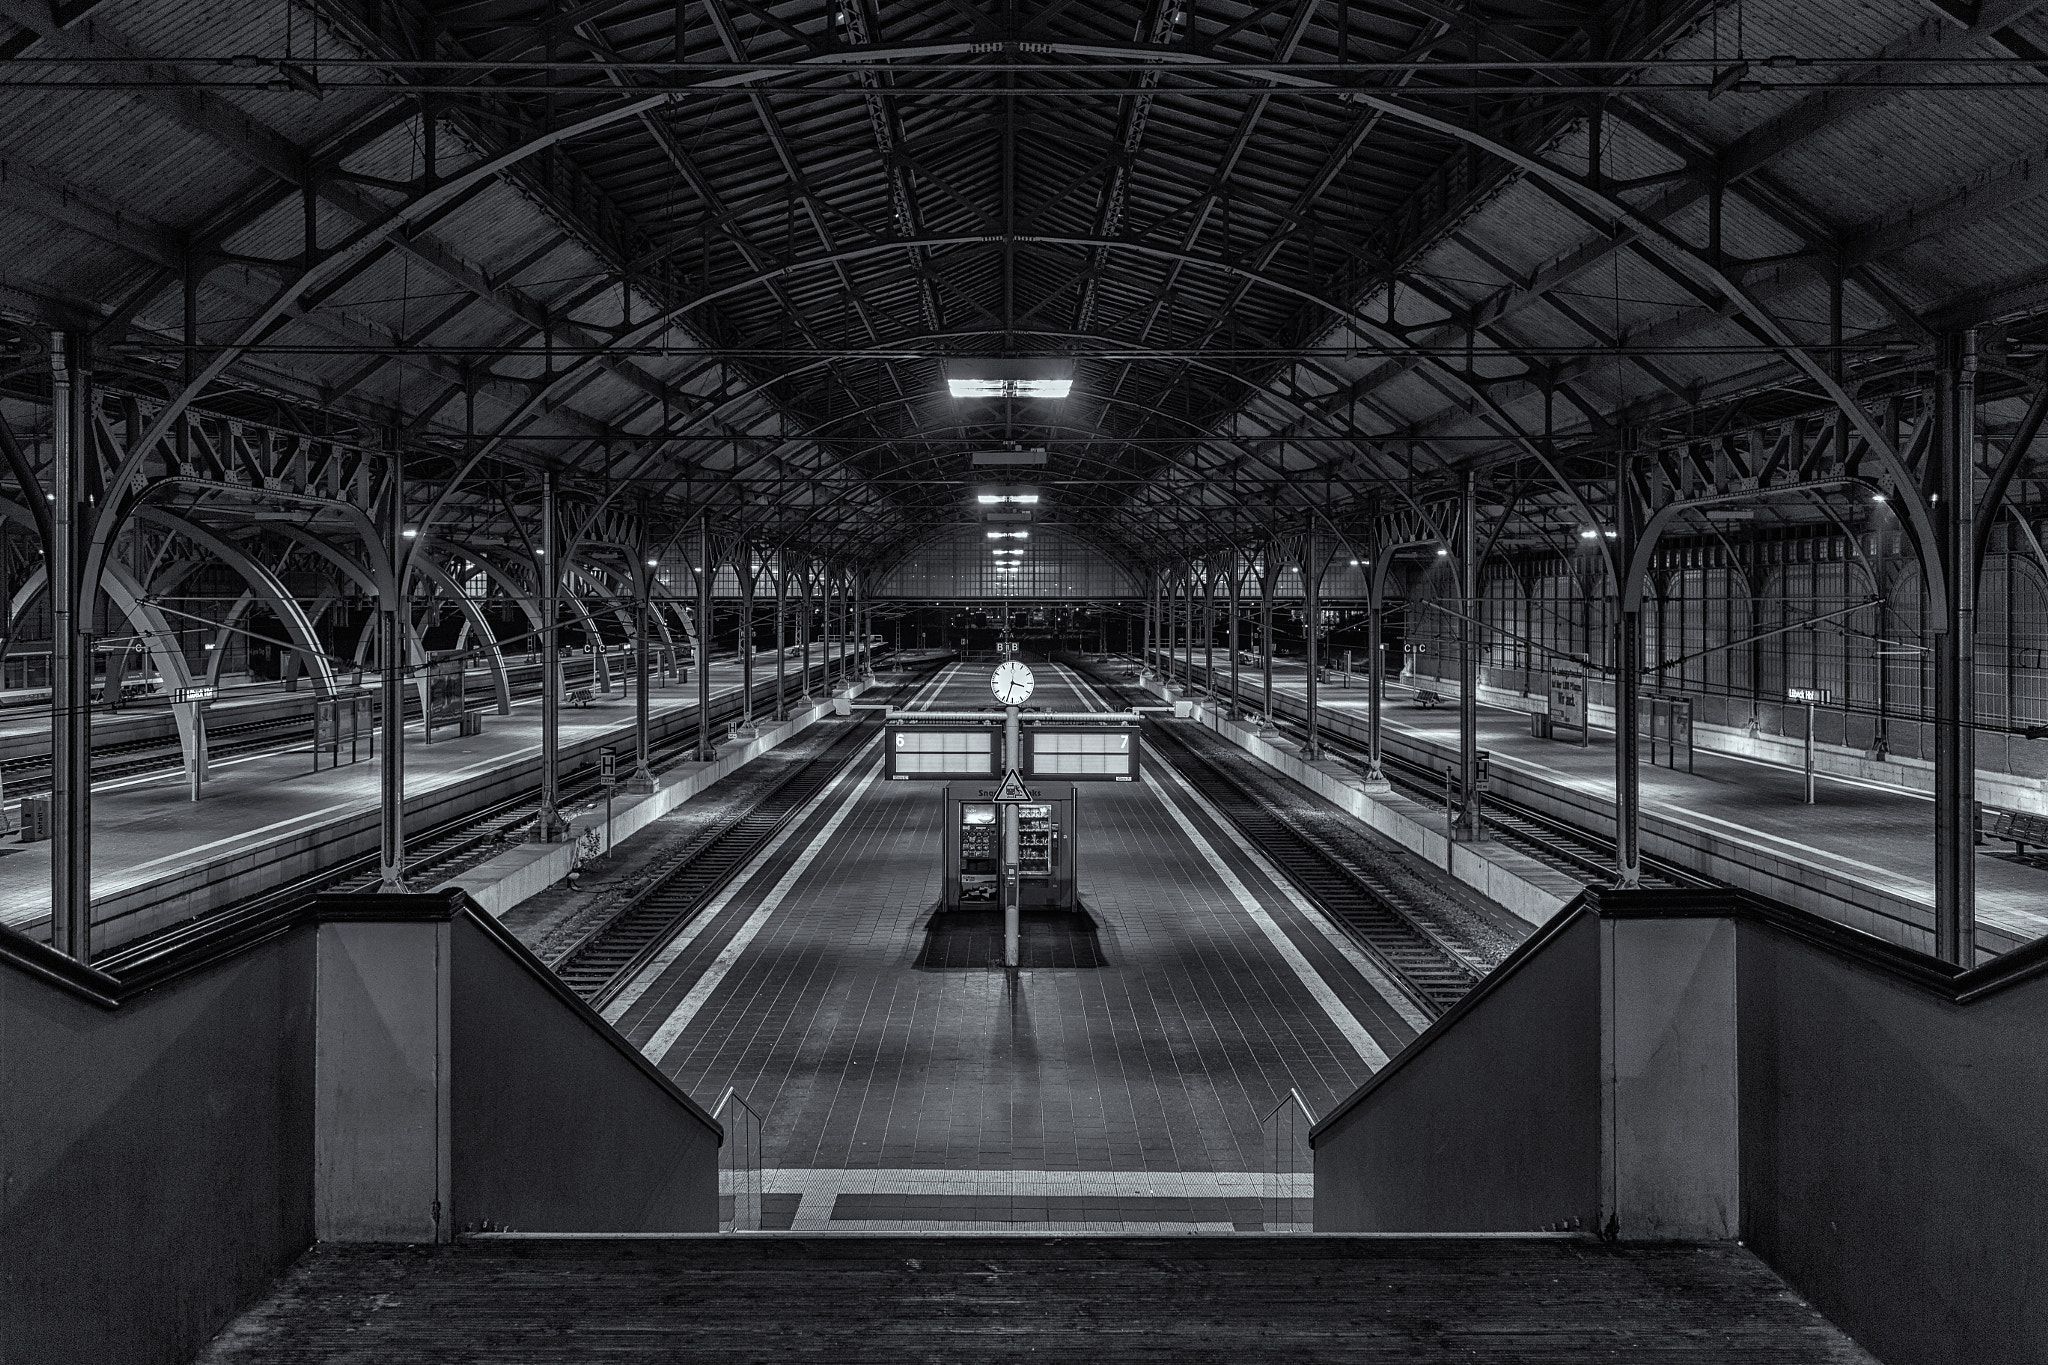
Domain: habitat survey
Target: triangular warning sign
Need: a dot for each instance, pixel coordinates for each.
(1012, 788)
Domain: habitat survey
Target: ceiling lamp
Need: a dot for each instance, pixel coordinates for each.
(991, 499)
(1009, 379)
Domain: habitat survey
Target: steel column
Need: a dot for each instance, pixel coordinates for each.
(1470, 824)
(803, 630)
(1311, 627)
(707, 565)
(781, 637)
(1955, 658)
(1266, 632)
(1209, 629)
(1375, 665)
(744, 567)
(642, 780)
(1628, 664)
(71, 610)
(1236, 699)
(391, 626)
(549, 827)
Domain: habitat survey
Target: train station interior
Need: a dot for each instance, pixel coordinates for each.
(967, 680)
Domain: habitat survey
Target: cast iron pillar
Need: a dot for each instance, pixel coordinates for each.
(1375, 664)
(1471, 824)
(391, 625)
(549, 827)
(803, 631)
(744, 565)
(1955, 657)
(1209, 630)
(781, 638)
(707, 565)
(1311, 628)
(1266, 636)
(1628, 670)
(71, 604)
(642, 781)
(1236, 699)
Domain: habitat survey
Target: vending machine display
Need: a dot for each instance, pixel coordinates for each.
(980, 848)
(1035, 836)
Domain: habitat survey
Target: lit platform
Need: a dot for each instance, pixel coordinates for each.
(159, 857)
(1863, 854)
(1127, 1096)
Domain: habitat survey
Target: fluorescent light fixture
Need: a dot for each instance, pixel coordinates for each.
(653, 563)
(1354, 563)
(410, 533)
(991, 499)
(1441, 551)
(1042, 378)
(1009, 535)
(1589, 534)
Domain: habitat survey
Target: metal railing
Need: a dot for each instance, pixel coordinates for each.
(1290, 1165)
(739, 1164)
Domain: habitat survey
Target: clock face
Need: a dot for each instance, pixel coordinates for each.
(1012, 683)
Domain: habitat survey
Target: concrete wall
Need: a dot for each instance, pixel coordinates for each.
(156, 1161)
(1488, 1123)
(1727, 1069)
(377, 1068)
(1895, 1154)
(560, 1125)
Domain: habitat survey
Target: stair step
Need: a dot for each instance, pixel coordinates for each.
(855, 1299)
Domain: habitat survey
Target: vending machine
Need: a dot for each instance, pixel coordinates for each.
(1045, 837)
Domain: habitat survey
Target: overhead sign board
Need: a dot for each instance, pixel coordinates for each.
(196, 694)
(931, 751)
(1094, 753)
(1812, 696)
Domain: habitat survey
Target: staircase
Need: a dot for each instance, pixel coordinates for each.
(856, 1298)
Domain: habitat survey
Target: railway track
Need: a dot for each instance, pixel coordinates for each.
(30, 775)
(606, 958)
(1374, 913)
(1556, 843)
(434, 853)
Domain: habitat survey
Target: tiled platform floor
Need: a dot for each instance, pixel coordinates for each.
(799, 987)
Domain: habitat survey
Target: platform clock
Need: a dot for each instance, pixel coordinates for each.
(1012, 683)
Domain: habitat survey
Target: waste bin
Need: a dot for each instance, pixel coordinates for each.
(1539, 724)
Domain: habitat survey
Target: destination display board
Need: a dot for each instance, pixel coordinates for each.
(1094, 753)
(930, 751)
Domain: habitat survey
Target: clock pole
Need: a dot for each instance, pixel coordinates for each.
(1012, 760)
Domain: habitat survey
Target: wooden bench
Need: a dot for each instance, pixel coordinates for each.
(1425, 698)
(2022, 829)
(581, 696)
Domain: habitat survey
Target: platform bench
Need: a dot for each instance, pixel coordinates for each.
(1427, 699)
(2021, 829)
(582, 696)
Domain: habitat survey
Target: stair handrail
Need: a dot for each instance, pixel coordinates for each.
(1285, 1128)
(739, 1162)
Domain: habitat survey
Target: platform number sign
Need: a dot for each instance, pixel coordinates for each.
(607, 767)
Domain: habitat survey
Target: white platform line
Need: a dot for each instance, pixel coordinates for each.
(1362, 1042)
(1395, 997)
(1032, 1184)
(704, 918)
(656, 1047)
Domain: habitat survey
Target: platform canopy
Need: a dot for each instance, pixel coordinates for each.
(1293, 266)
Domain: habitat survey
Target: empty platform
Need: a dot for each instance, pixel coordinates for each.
(1122, 1096)
(1862, 853)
